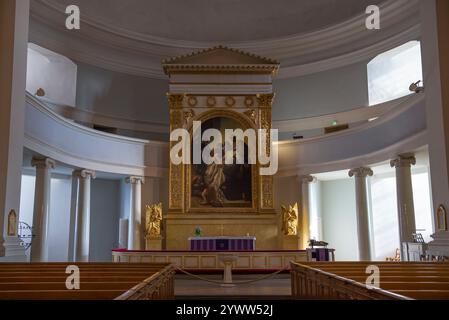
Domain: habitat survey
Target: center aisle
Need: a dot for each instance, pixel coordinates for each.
(276, 287)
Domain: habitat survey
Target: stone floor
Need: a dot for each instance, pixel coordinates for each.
(274, 287)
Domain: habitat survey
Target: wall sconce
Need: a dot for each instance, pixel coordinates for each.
(40, 92)
(416, 88)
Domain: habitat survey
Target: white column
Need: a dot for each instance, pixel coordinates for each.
(72, 223)
(14, 17)
(123, 234)
(41, 214)
(135, 231)
(435, 57)
(404, 194)
(363, 229)
(83, 214)
(305, 182)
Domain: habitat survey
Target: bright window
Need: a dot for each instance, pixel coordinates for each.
(422, 204)
(385, 225)
(391, 73)
(384, 217)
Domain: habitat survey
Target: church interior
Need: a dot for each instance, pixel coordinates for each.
(160, 150)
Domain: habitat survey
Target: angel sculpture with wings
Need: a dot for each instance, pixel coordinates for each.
(290, 220)
(153, 221)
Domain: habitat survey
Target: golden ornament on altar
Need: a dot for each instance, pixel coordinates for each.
(290, 220)
(153, 221)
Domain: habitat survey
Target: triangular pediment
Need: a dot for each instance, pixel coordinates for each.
(220, 59)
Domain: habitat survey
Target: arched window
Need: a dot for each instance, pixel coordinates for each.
(52, 74)
(391, 73)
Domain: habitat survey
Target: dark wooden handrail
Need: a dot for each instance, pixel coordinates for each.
(312, 283)
(159, 286)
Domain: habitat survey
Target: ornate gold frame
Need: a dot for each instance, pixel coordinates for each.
(246, 123)
(258, 117)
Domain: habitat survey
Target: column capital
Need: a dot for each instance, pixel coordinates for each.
(175, 100)
(135, 180)
(43, 163)
(84, 173)
(306, 178)
(362, 172)
(403, 161)
(265, 100)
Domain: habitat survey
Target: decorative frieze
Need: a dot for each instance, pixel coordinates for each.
(211, 101)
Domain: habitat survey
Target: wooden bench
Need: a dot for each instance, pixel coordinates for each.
(346, 280)
(98, 281)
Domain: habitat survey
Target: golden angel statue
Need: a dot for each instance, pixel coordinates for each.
(290, 218)
(153, 221)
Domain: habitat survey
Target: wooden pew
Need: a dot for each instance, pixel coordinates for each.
(425, 294)
(60, 295)
(346, 280)
(98, 281)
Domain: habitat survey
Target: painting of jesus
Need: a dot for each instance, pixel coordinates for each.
(221, 185)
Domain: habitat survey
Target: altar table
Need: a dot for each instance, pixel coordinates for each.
(222, 243)
(260, 261)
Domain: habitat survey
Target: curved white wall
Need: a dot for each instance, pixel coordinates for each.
(52, 135)
(121, 95)
(53, 73)
(402, 129)
(321, 93)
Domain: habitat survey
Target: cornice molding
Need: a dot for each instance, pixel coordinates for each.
(121, 50)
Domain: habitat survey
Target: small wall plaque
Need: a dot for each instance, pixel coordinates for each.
(12, 224)
(442, 218)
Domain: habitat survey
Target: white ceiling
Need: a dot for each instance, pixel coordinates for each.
(219, 20)
(306, 36)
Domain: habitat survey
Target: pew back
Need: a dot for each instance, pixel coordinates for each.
(347, 280)
(98, 281)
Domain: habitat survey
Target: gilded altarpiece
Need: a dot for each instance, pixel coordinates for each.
(223, 89)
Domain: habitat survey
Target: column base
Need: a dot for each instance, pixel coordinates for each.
(154, 244)
(14, 251)
(291, 242)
